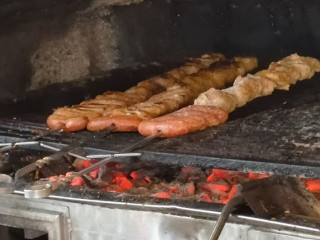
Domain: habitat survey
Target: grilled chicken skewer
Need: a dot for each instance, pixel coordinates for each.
(179, 95)
(279, 75)
(76, 118)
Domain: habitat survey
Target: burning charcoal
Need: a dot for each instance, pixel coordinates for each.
(161, 195)
(86, 163)
(237, 177)
(142, 173)
(94, 174)
(187, 189)
(231, 177)
(113, 188)
(189, 174)
(253, 176)
(126, 184)
(212, 177)
(313, 185)
(138, 191)
(140, 182)
(79, 164)
(232, 192)
(220, 186)
(100, 184)
(117, 177)
(220, 174)
(147, 179)
(53, 179)
(174, 189)
(77, 181)
(204, 197)
(189, 170)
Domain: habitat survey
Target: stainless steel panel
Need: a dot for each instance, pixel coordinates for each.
(101, 220)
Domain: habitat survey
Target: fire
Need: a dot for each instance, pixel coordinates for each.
(77, 181)
(313, 185)
(188, 183)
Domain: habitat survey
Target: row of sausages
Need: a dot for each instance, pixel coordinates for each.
(211, 105)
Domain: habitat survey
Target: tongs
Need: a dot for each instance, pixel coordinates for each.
(41, 190)
(8, 146)
(274, 196)
(8, 186)
(45, 189)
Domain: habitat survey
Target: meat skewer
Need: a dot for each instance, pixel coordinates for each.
(177, 96)
(279, 75)
(183, 121)
(76, 118)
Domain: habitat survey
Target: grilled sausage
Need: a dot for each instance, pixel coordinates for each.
(120, 123)
(72, 124)
(104, 104)
(179, 95)
(183, 121)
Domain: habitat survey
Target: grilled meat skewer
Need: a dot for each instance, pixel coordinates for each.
(76, 118)
(218, 75)
(279, 75)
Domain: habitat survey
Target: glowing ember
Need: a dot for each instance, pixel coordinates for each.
(161, 195)
(171, 182)
(189, 183)
(313, 185)
(77, 181)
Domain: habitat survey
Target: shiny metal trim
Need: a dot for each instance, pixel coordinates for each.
(38, 190)
(189, 211)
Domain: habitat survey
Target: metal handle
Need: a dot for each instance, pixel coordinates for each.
(30, 141)
(42, 190)
(113, 155)
(227, 209)
(6, 184)
(38, 190)
(125, 152)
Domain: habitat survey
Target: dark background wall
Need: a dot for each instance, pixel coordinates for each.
(266, 28)
(48, 42)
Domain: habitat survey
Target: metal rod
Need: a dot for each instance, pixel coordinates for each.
(112, 158)
(23, 171)
(60, 153)
(226, 211)
(44, 192)
(29, 141)
(44, 134)
(113, 155)
(10, 146)
(58, 149)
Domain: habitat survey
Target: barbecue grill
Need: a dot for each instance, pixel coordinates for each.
(278, 134)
